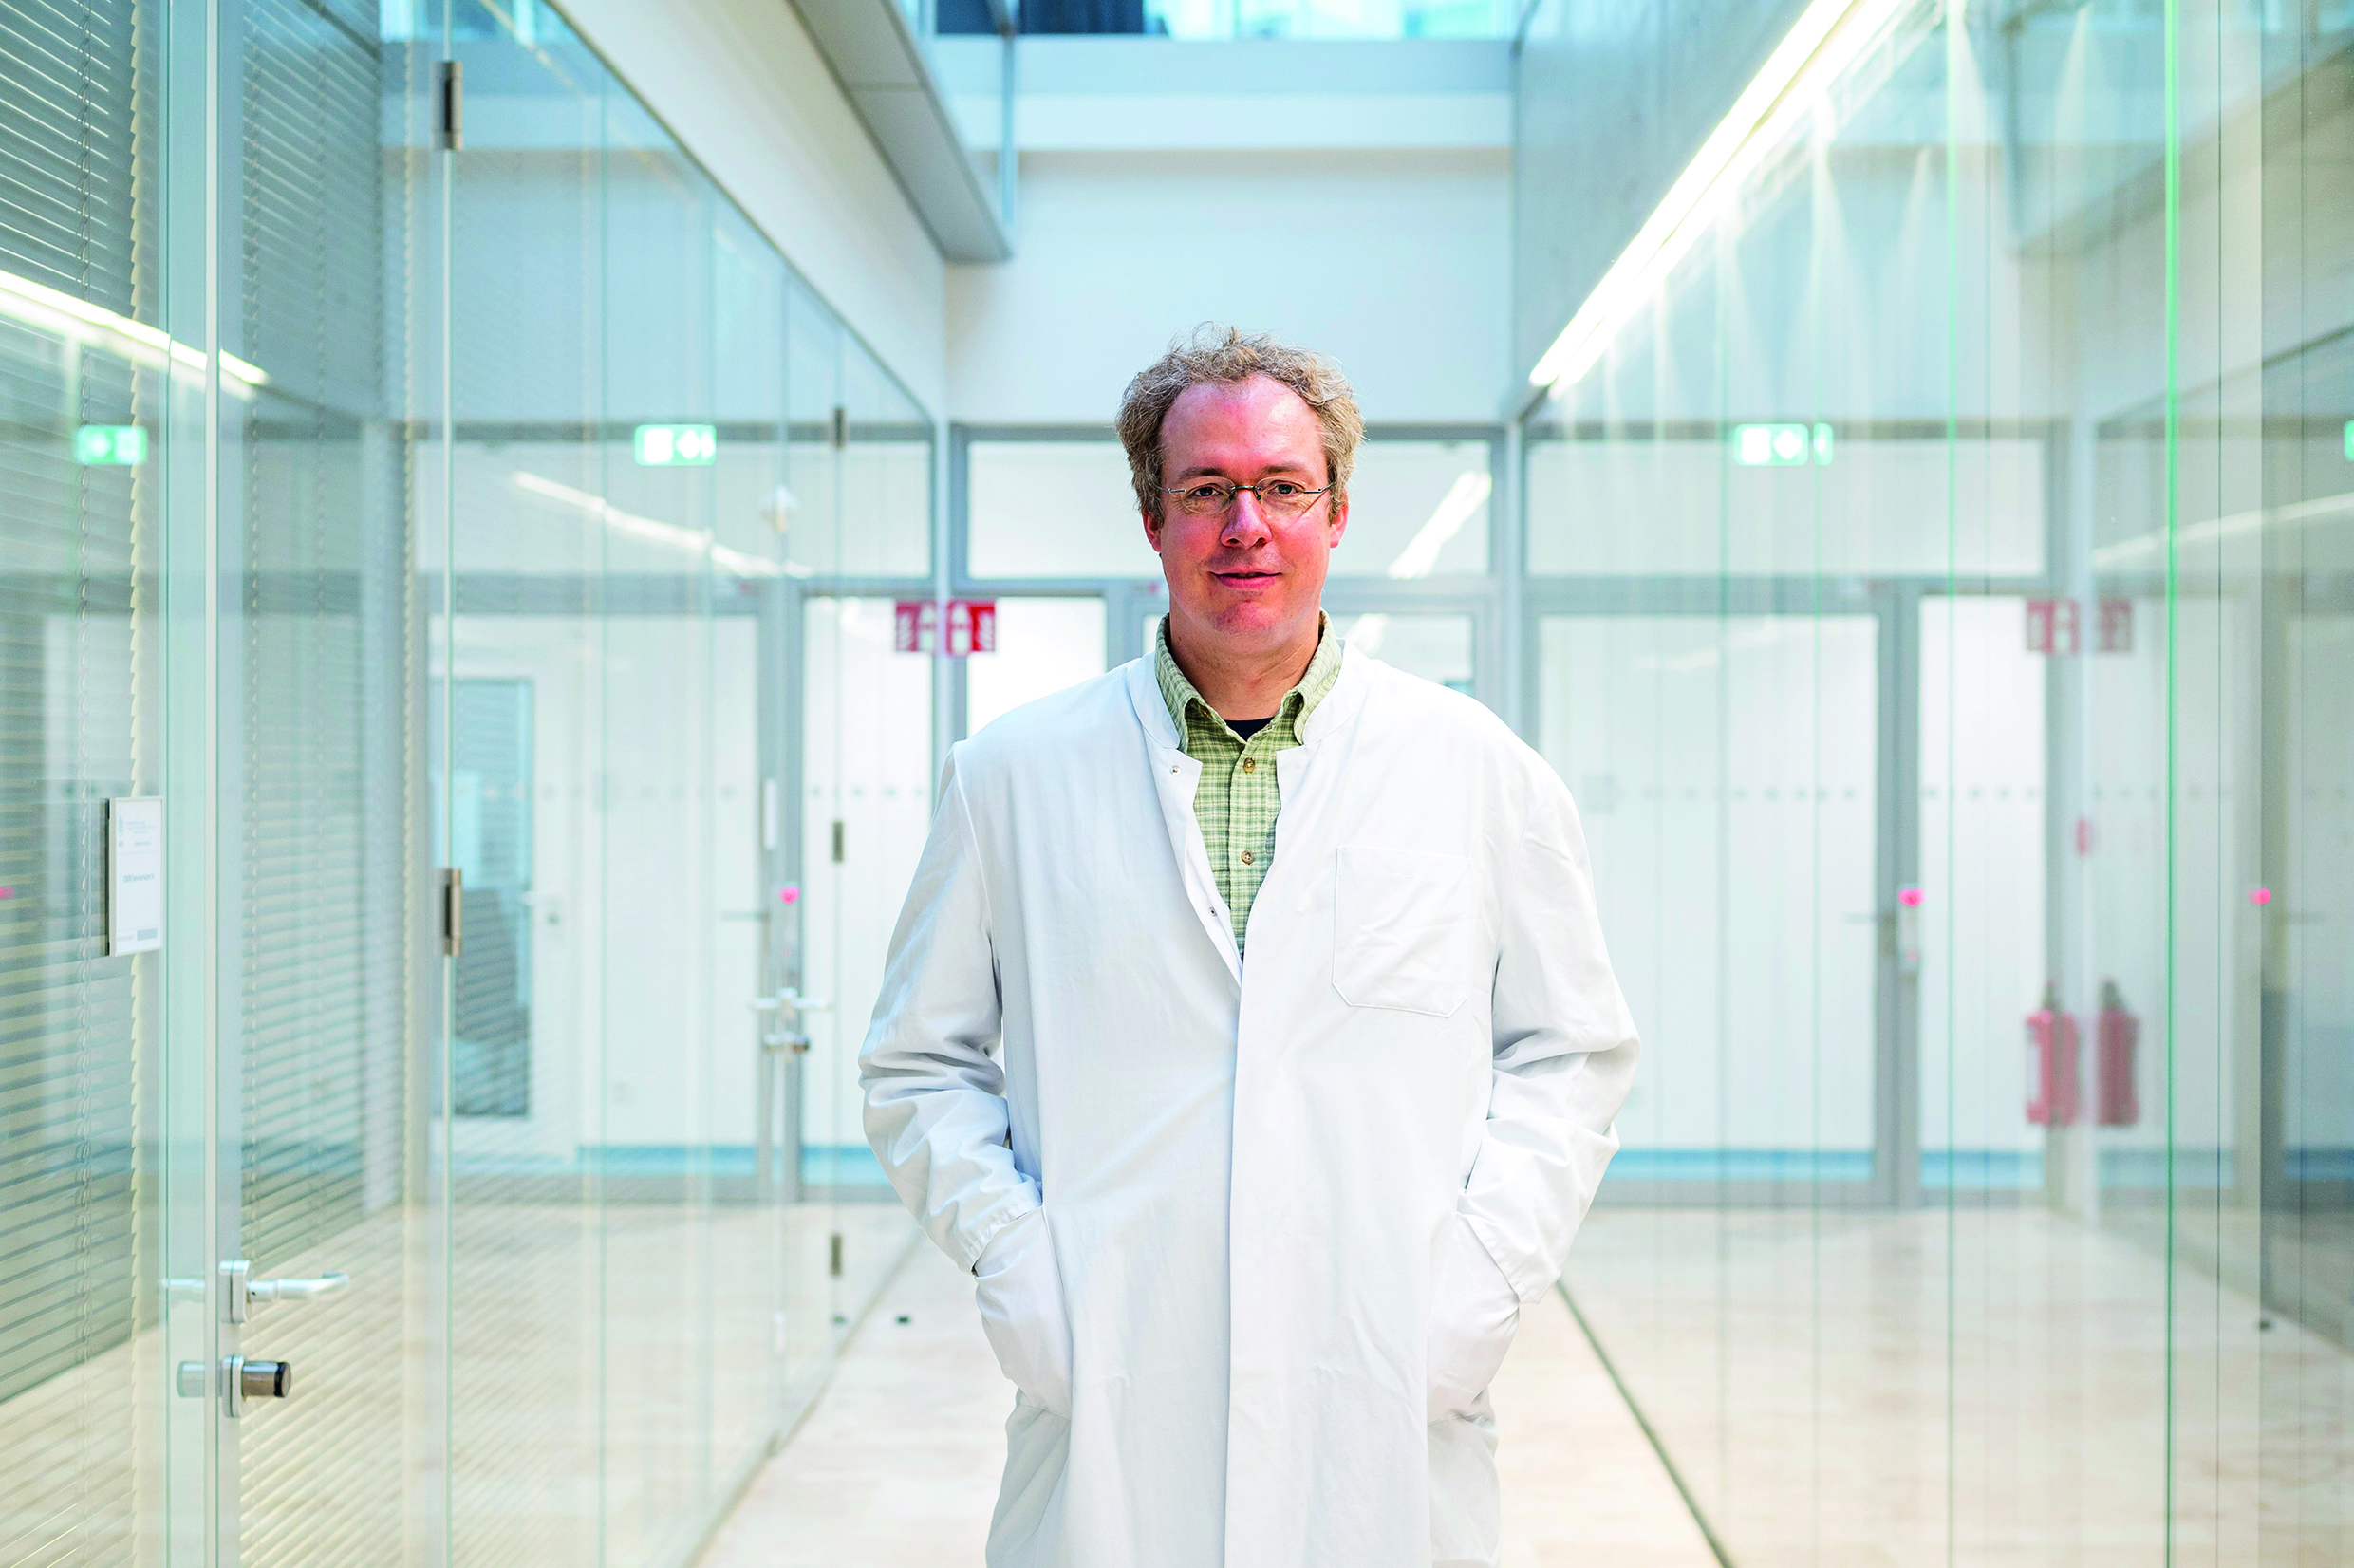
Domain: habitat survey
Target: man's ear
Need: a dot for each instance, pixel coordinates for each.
(1152, 528)
(1339, 524)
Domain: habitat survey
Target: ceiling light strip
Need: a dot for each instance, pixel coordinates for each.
(1826, 41)
(58, 303)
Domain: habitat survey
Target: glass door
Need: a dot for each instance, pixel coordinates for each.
(803, 1082)
(518, 700)
(1726, 771)
(868, 775)
(1988, 1113)
(320, 1278)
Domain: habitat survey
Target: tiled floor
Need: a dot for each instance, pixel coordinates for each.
(897, 1465)
(1980, 1386)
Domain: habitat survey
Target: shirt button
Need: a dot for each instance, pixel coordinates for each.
(1249, 763)
(1246, 857)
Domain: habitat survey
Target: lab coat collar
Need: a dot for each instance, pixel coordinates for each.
(1175, 777)
(1339, 704)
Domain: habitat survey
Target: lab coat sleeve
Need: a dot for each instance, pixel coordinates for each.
(936, 1112)
(1564, 1050)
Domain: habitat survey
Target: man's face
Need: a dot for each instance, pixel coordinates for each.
(1244, 578)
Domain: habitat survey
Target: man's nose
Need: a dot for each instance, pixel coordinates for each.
(1246, 523)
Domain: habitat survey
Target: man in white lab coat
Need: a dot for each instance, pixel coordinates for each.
(1249, 1033)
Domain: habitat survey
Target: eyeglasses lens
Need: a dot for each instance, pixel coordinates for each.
(1281, 498)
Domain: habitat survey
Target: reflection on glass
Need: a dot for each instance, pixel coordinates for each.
(1436, 647)
(1416, 509)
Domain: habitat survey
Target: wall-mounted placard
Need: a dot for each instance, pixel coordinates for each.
(134, 876)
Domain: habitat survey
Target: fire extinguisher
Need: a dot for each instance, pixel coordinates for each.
(2114, 1037)
(2052, 1063)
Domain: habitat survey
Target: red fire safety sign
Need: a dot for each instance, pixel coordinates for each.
(972, 626)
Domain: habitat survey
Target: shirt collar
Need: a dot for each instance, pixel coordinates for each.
(1314, 684)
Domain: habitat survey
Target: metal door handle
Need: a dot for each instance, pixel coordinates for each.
(296, 1290)
(243, 1290)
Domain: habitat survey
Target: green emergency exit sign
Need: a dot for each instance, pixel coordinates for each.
(676, 445)
(1781, 445)
(124, 444)
(2349, 441)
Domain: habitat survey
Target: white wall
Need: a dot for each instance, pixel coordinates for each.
(1394, 262)
(743, 85)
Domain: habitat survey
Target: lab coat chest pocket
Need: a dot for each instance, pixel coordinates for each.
(1402, 932)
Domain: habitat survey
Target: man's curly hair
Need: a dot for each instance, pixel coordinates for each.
(1218, 355)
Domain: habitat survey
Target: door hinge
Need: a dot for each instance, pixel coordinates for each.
(453, 911)
(833, 1255)
(837, 840)
(841, 427)
(450, 107)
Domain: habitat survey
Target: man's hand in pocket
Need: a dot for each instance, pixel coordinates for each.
(1474, 1311)
(1019, 1288)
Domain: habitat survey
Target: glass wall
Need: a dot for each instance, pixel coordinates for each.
(1936, 592)
(404, 567)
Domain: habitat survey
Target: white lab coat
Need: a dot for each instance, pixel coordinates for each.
(1251, 1173)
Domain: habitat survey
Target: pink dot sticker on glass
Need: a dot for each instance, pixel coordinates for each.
(7, 892)
(789, 895)
(1909, 897)
(2261, 896)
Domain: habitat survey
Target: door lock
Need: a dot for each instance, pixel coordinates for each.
(246, 1377)
(242, 1378)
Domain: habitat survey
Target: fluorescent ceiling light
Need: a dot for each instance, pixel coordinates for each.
(1464, 498)
(1367, 631)
(2127, 552)
(647, 529)
(1826, 40)
(51, 310)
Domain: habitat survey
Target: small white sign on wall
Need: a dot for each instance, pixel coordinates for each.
(134, 876)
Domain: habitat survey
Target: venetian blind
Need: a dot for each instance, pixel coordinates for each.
(75, 196)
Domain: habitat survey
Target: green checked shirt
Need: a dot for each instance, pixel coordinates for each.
(1239, 795)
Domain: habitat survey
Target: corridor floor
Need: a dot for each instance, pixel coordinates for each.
(897, 1464)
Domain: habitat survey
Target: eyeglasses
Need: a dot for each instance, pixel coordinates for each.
(1276, 498)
